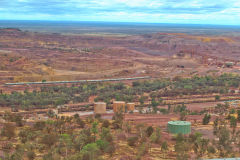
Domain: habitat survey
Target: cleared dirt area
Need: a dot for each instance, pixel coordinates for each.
(201, 106)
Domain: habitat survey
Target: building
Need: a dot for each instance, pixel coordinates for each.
(119, 106)
(100, 107)
(176, 127)
(130, 107)
(229, 64)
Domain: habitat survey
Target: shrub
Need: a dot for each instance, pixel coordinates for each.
(80, 122)
(132, 141)
(39, 125)
(121, 136)
(116, 125)
(156, 136)
(142, 150)
(90, 152)
(49, 139)
(31, 155)
(233, 122)
(106, 124)
(238, 112)
(98, 116)
(149, 131)
(110, 149)
(206, 119)
(8, 130)
(163, 111)
(102, 144)
(211, 150)
(217, 97)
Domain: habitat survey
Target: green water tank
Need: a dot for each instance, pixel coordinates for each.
(176, 127)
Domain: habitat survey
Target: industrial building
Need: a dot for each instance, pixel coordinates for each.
(119, 106)
(176, 127)
(130, 107)
(100, 107)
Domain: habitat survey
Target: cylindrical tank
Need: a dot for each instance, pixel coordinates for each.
(119, 106)
(176, 127)
(130, 106)
(100, 108)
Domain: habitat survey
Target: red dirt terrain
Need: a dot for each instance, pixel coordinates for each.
(28, 56)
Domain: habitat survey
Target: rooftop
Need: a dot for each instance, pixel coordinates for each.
(179, 122)
(99, 103)
(118, 102)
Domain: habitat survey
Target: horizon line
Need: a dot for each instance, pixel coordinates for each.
(169, 23)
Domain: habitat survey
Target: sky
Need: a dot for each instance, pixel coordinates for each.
(224, 12)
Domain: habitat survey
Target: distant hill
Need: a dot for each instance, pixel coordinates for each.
(32, 56)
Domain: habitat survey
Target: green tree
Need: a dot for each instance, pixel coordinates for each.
(164, 147)
(217, 98)
(156, 136)
(76, 116)
(142, 99)
(105, 146)
(149, 131)
(49, 139)
(224, 141)
(90, 152)
(81, 139)
(182, 148)
(233, 122)
(106, 135)
(202, 144)
(154, 104)
(94, 129)
(102, 144)
(118, 120)
(23, 135)
(66, 140)
(206, 119)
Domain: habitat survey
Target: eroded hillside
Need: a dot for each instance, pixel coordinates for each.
(28, 56)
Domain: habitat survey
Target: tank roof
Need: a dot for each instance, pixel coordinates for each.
(118, 102)
(179, 123)
(99, 103)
